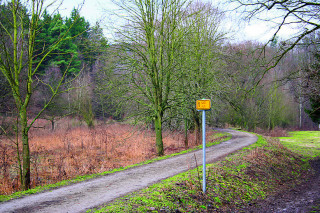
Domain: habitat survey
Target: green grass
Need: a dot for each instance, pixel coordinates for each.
(242, 178)
(316, 207)
(306, 143)
(216, 138)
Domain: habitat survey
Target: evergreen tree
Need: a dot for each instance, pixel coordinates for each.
(81, 44)
(79, 27)
(43, 41)
(65, 54)
(314, 112)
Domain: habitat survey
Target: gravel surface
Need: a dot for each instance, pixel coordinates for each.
(92, 193)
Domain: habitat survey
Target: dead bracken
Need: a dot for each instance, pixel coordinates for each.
(73, 150)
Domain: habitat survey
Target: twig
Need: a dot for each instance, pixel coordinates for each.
(197, 171)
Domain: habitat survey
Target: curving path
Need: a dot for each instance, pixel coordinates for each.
(89, 194)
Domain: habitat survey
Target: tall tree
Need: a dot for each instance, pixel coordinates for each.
(79, 30)
(18, 65)
(200, 61)
(149, 40)
(66, 53)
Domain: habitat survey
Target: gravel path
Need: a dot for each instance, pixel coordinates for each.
(92, 193)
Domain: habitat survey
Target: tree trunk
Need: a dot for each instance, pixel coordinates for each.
(52, 124)
(186, 142)
(158, 128)
(196, 119)
(25, 151)
(300, 112)
(17, 149)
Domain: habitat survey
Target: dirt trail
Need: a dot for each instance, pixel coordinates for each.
(92, 193)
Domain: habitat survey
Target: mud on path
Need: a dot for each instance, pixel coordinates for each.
(95, 192)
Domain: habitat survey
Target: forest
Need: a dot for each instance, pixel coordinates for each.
(72, 101)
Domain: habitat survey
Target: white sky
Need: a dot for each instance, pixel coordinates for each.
(93, 11)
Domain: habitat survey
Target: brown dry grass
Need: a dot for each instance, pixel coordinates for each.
(72, 150)
(276, 132)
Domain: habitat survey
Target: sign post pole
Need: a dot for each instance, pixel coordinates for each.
(204, 150)
(203, 105)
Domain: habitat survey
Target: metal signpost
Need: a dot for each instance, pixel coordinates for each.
(203, 105)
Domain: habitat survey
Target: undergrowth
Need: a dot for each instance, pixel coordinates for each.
(122, 154)
(238, 181)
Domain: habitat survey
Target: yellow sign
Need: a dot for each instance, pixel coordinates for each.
(204, 104)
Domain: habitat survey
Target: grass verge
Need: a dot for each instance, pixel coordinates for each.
(216, 139)
(306, 143)
(240, 180)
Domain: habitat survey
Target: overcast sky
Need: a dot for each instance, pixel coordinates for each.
(93, 11)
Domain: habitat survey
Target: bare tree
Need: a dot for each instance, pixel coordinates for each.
(200, 62)
(18, 65)
(300, 14)
(150, 40)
